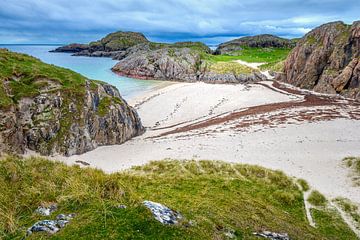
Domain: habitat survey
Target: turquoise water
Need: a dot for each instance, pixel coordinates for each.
(91, 67)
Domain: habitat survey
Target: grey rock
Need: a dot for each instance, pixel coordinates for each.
(273, 235)
(162, 213)
(66, 217)
(46, 211)
(51, 226)
(35, 123)
(176, 64)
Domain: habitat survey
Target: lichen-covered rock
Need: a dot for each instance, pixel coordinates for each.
(162, 213)
(50, 226)
(327, 60)
(258, 41)
(53, 110)
(273, 235)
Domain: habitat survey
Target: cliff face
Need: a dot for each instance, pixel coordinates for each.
(327, 60)
(52, 110)
(259, 41)
(179, 64)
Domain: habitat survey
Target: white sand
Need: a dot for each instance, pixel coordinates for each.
(312, 151)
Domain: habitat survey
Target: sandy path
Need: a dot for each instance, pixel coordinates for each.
(305, 135)
(255, 66)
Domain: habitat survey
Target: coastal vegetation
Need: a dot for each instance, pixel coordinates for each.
(353, 163)
(317, 199)
(214, 198)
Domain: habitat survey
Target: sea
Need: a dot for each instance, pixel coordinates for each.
(97, 68)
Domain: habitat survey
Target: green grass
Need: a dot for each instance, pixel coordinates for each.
(317, 199)
(229, 67)
(330, 223)
(265, 55)
(215, 195)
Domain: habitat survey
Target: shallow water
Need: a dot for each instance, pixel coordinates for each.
(91, 67)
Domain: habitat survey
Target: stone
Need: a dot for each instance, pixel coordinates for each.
(272, 235)
(162, 213)
(46, 211)
(51, 226)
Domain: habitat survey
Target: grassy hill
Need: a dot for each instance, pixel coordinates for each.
(214, 197)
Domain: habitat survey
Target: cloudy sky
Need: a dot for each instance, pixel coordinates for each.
(211, 21)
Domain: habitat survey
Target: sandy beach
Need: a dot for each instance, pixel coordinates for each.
(304, 134)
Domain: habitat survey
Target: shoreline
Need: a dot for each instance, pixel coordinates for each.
(285, 138)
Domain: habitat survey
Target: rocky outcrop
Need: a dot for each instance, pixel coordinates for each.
(113, 42)
(259, 41)
(72, 48)
(59, 111)
(327, 60)
(177, 64)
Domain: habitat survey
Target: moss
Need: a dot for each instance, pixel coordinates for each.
(104, 105)
(317, 199)
(311, 40)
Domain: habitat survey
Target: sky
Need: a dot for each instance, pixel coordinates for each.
(210, 21)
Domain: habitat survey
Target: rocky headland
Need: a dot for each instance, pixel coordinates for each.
(258, 41)
(108, 46)
(52, 110)
(327, 60)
